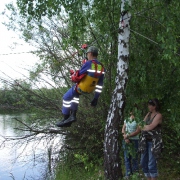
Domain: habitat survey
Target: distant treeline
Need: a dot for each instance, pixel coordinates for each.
(27, 98)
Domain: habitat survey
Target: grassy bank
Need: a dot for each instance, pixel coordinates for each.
(78, 172)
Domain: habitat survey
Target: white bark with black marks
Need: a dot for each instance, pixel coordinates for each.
(115, 114)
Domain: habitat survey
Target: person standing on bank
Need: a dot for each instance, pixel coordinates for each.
(88, 79)
(130, 131)
(150, 144)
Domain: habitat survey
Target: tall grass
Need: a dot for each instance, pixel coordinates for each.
(77, 172)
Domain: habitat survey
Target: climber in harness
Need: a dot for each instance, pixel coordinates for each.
(88, 79)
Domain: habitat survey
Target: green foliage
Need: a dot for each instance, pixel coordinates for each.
(130, 149)
(13, 96)
(154, 69)
(153, 64)
(67, 171)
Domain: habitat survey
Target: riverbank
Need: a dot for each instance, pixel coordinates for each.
(76, 172)
(12, 110)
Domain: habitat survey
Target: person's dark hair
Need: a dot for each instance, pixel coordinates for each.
(154, 102)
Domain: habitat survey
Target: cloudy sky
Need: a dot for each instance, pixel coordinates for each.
(11, 64)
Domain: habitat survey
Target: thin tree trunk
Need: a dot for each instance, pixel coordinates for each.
(112, 162)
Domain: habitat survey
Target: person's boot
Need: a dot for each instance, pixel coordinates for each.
(61, 123)
(72, 118)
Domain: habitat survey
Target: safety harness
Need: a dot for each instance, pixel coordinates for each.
(96, 69)
(88, 83)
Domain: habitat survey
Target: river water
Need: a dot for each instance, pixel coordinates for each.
(20, 160)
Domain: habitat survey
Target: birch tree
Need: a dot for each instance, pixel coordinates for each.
(115, 113)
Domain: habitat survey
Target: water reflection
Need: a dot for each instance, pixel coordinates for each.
(19, 159)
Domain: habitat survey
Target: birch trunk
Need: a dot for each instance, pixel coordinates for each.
(112, 144)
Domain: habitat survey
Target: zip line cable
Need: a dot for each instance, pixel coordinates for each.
(100, 37)
(56, 27)
(145, 37)
(5, 54)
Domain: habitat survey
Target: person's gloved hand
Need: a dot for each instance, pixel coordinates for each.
(94, 102)
(84, 46)
(71, 72)
(84, 61)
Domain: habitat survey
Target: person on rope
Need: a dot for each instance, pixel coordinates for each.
(88, 79)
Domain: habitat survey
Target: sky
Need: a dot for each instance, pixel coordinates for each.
(12, 65)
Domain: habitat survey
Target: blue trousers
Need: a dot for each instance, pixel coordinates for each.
(70, 100)
(148, 162)
(131, 157)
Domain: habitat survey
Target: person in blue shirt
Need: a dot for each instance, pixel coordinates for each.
(88, 79)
